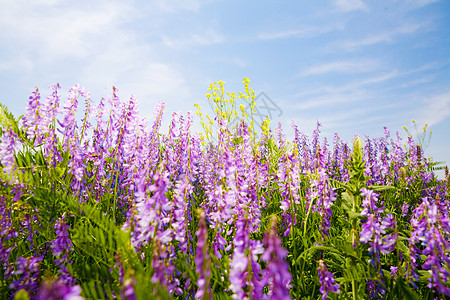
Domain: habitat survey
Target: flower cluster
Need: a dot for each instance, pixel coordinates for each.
(202, 261)
(374, 233)
(61, 247)
(431, 228)
(277, 274)
(327, 281)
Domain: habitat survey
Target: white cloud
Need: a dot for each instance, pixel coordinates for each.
(360, 88)
(54, 30)
(342, 67)
(350, 88)
(305, 32)
(206, 38)
(435, 109)
(229, 60)
(368, 41)
(410, 83)
(420, 3)
(19, 64)
(71, 42)
(350, 5)
(384, 37)
(133, 68)
(179, 5)
(371, 80)
(330, 100)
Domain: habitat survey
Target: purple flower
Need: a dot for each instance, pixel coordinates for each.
(327, 281)
(7, 152)
(163, 275)
(374, 230)
(202, 260)
(62, 242)
(245, 271)
(405, 209)
(277, 271)
(47, 125)
(181, 193)
(127, 291)
(325, 200)
(55, 290)
(32, 117)
(430, 228)
(154, 138)
(69, 123)
(370, 202)
(394, 271)
(27, 272)
(374, 233)
(152, 209)
(61, 246)
(71, 139)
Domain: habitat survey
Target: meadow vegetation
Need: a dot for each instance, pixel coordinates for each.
(107, 206)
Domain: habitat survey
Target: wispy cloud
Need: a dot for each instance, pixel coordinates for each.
(348, 66)
(351, 87)
(372, 80)
(229, 60)
(420, 3)
(409, 84)
(205, 38)
(435, 109)
(305, 32)
(50, 29)
(91, 46)
(350, 5)
(172, 6)
(19, 64)
(330, 100)
(384, 37)
(364, 83)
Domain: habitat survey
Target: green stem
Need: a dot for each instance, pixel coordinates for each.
(307, 215)
(353, 289)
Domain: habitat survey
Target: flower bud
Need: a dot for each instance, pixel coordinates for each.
(402, 173)
(357, 145)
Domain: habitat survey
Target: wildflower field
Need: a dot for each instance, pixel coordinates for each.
(103, 205)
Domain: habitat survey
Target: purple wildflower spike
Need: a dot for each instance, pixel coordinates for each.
(374, 233)
(152, 211)
(28, 271)
(55, 289)
(245, 271)
(163, 270)
(202, 260)
(327, 281)
(61, 247)
(277, 271)
(47, 125)
(7, 152)
(127, 291)
(32, 116)
(431, 227)
(182, 191)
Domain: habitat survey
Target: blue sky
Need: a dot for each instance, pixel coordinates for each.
(355, 65)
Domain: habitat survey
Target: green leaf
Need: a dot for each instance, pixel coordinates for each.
(353, 215)
(381, 187)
